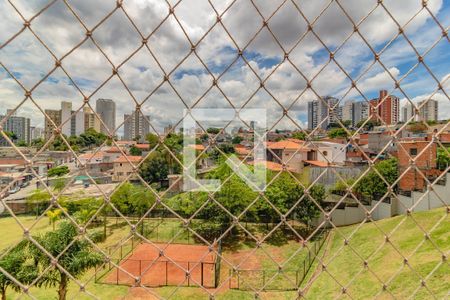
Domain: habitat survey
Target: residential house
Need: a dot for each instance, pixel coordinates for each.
(124, 167)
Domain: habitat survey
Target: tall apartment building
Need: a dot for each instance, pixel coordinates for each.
(77, 123)
(319, 110)
(360, 112)
(136, 126)
(387, 107)
(347, 111)
(90, 119)
(106, 109)
(428, 112)
(313, 115)
(20, 126)
(36, 133)
(53, 116)
(66, 113)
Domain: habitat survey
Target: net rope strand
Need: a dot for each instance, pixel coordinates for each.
(265, 20)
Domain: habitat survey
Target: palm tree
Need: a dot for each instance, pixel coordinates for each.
(53, 216)
(20, 263)
(37, 198)
(76, 260)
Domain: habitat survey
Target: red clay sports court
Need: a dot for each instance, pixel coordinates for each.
(170, 269)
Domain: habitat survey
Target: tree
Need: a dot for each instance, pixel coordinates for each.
(76, 259)
(53, 216)
(21, 263)
(300, 135)
(155, 168)
(417, 127)
(347, 123)
(369, 125)
(58, 171)
(337, 133)
(91, 138)
(236, 140)
(21, 143)
(58, 143)
(38, 143)
(443, 158)
(135, 151)
(152, 139)
(213, 130)
(38, 197)
(372, 185)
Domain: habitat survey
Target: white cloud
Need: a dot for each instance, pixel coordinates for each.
(118, 38)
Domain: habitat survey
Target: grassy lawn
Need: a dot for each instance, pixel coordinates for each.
(12, 233)
(342, 263)
(348, 268)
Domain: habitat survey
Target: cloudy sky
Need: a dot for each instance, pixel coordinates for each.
(90, 64)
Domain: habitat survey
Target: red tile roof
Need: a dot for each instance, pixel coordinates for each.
(273, 166)
(288, 144)
(92, 156)
(142, 146)
(317, 163)
(12, 161)
(131, 158)
(198, 147)
(113, 150)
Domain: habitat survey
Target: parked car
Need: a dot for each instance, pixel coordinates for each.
(14, 190)
(24, 184)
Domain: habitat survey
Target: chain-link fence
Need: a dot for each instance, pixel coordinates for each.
(95, 207)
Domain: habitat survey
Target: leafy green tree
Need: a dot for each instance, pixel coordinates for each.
(38, 143)
(91, 138)
(369, 125)
(12, 135)
(337, 133)
(443, 158)
(236, 140)
(58, 171)
(204, 137)
(54, 216)
(213, 130)
(76, 259)
(58, 144)
(300, 135)
(59, 184)
(38, 198)
(21, 263)
(152, 139)
(155, 168)
(372, 185)
(21, 143)
(347, 123)
(135, 151)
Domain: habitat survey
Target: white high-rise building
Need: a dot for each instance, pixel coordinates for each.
(323, 112)
(77, 123)
(360, 112)
(429, 111)
(90, 119)
(106, 109)
(66, 113)
(347, 111)
(136, 126)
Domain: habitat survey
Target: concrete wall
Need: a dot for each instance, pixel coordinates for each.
(329, 178)
(423, 201)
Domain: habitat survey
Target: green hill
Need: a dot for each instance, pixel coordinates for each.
(385, 260)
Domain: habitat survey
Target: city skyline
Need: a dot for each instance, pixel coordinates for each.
(143, 76)
(351, 110)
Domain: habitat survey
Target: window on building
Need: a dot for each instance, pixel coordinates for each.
(325, 153)
(413, 151)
